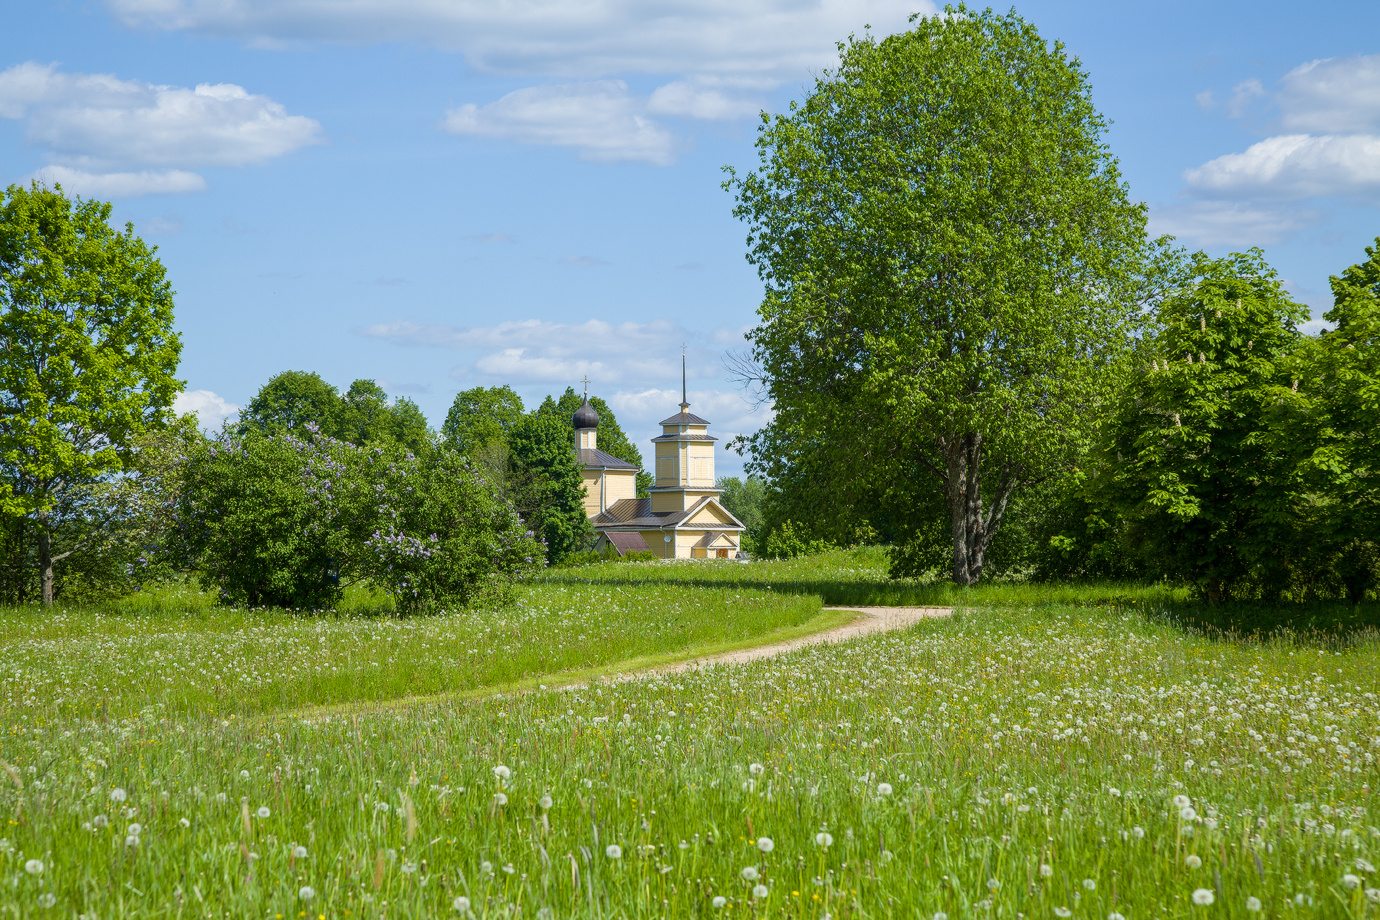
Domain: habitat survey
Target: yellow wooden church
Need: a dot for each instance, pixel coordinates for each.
(682, 518)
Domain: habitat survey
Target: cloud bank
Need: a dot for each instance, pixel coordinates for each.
(120, 138)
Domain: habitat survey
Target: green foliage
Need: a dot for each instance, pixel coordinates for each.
(304, 404)
(480, 417)
(953, 272)
(612, 440)
(546, 486)
(788, 541)
(276, 520)
(87, 367)
(1188, 462)
(742, 498)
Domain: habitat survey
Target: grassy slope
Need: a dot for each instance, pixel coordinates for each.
(1050, 734)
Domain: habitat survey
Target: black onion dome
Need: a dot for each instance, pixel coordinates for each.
(586, 417)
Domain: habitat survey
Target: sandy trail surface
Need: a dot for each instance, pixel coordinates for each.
(873, 620)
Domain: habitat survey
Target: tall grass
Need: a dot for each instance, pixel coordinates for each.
(1036, 762)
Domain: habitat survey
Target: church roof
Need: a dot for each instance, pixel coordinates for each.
(638, 513)
(685, 437)
(683, 418)
(628, 543)
(585, 416)
(591, 457)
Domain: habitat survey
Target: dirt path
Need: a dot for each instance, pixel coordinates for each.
(873, 620)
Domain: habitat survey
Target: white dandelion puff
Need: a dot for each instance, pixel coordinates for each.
(502, 772)
(461, 904)
(1046, 870)
(824, 839)
(765, 844)
(749, 873)
(1192, 861)
(118, 795)
(1253, 904)
(1203, 897)
(613, 851)
(1350, 882)
(306, 892)
(884, 788)
(759, 891)
(34, 867)
(719, 901)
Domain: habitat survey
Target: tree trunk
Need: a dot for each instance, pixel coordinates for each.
(45, 559)
(972, 530)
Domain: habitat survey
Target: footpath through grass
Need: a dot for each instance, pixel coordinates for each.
(1042, 760)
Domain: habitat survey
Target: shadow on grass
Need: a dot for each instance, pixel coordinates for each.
(1328, 623)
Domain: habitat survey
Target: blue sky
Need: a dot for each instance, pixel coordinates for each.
(439, 194)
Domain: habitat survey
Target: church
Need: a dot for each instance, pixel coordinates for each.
(682, 517)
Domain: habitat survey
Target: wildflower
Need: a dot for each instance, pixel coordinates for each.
(749, 873)
(244, 774)
(1363, 866)
(1203, 896)
(407, 868)
(1253, 904)
(613, 851)
(824, 839)
(184, 822)
(1373, 895)
(1046, 870)
(765, 844)
(1116, 916)
(502, 772)
(299, 852)
(719, 901)
(100, 820)
(47, 899)
(993, 884)
(131, 841)
(1350, 882)
(760, 891)
(117, 794)
(500, 799)
(940, 915)
(461, 904)
(756, 769)
(34, 867)
(1192, 861)
(1182, 801)
(135, 829)
(1187, 813)
(1138, 832)
(1062, 912)
(884, 788)
(545, 802)
(1090, 884)
(306, 892)
(263, 811)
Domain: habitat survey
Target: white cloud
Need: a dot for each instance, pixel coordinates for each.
(1293, 166)
(600, 119)
(1229, 223)
(120, 138)
(625, 354)
(693, 100)
(120, 184)
(1332, 96)
(210, 409)
(1242, 96)
(750, 41)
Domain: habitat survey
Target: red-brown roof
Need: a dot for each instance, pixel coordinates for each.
(628, 543)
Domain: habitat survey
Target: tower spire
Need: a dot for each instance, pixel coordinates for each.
(684, 402)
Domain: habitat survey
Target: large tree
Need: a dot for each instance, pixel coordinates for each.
(947, 248)
(88, 358)
(298, 401)
(1206, 493)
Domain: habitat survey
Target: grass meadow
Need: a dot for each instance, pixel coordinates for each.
(1046, 752)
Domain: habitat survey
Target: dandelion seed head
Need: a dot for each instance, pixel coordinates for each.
(613, 851)
(1192, 861)
(34, 867)
(1203, 896)
(719, 901)
(1253, 904)
(749, 873)
(306, 892)
(118, 795)
(1046, 870)
(765, 844)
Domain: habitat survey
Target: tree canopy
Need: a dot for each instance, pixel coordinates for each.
(479, 417)
(951, 266)
(88, 361)
(297, 401)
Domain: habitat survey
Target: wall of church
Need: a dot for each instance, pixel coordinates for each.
(591, 501)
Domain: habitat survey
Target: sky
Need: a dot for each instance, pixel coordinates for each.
(442, 194)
